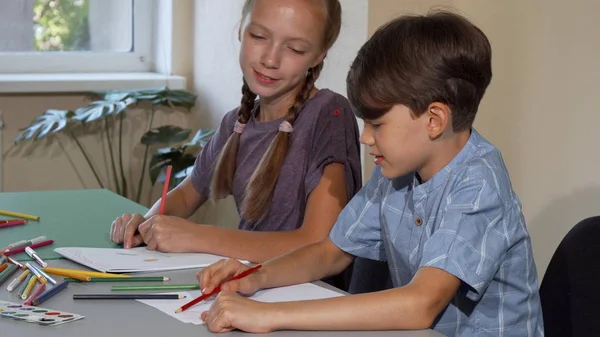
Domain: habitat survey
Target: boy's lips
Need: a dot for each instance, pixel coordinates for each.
(377, 159)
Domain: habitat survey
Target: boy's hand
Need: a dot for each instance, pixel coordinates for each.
(124, 230)
(231, 311)
(220, 272)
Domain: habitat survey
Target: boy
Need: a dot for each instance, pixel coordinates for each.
(439, 207)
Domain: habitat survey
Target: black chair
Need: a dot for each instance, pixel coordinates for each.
(570, 289)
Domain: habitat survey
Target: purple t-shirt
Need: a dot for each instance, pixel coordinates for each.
(325, 132)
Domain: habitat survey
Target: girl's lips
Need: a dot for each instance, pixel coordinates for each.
(264, 79)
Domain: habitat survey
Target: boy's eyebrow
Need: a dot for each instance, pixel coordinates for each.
(258, 25)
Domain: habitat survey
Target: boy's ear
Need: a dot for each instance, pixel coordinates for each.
(438, 118)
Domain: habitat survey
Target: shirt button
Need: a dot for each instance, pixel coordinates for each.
(418, 221)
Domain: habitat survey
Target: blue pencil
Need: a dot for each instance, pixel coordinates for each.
(49, 293)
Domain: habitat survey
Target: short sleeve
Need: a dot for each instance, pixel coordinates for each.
(335, 140)
(469, 242)
(357, 230)
(204, 164)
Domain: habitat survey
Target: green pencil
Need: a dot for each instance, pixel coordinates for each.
(158, 287)
(123, 279)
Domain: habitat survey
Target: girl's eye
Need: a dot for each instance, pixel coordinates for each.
(296, 51)
(256, 37)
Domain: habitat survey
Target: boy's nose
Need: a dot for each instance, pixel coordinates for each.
(366, 138)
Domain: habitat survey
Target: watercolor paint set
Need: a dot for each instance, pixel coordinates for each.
(37, 315)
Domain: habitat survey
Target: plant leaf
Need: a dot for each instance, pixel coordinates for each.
(100, 109)
(201, 137)
(51, 121)
(165, 134)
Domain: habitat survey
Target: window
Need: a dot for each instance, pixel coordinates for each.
(71, 36)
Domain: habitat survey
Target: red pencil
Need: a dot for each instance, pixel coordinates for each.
(12, 223)
(163, 199)
(216, 290)
(22, 249)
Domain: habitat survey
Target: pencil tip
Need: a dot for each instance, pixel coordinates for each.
(166, 278)
(178, 311)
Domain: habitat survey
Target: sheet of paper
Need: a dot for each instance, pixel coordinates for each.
(299, 292)
(137, 259)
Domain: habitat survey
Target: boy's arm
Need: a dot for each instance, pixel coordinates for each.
(414, 306)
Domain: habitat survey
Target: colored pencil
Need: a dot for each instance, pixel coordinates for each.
(127, 297)
(158, 287)
(20, 215)
(24, 243)
(29, 287)
(163, 199)
(69, 275)
(35, 272)
(22, 249)
(81, 272)
(24, 284)
(13, 223)
(46, 276)
(3, 266)
(7, 272)
(127, 279)
(35, 294)
(15, 283)
(49, 293)
(217, 289)
(15, 262)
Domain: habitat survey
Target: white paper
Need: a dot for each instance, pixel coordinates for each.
(299, 292)
(139, 259)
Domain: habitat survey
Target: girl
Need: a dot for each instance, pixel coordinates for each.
(291, 159)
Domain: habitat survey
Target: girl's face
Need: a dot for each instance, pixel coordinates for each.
(281, 40)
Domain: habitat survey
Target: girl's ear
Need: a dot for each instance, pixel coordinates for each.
(319, 59)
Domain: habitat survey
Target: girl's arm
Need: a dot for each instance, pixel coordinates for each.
(182, 201)
(324, 205)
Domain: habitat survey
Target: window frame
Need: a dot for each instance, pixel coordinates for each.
(139, 60)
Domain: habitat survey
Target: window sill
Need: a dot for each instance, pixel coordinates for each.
(86, 82)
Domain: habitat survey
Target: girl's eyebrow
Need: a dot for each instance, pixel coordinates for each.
(299, 39)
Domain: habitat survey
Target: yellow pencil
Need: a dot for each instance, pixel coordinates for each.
(29, 287)
(81, 272)
(67, 274)
(20, 215)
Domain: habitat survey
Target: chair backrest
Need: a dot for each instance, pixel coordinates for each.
(570, 289)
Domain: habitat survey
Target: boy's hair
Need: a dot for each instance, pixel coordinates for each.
(259, 190)
(418, 60)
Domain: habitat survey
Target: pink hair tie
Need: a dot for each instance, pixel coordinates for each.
(285, 126)
(239, 127)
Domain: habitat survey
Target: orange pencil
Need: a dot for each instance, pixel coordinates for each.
(4, 266)
(163, 199)
(217, 289)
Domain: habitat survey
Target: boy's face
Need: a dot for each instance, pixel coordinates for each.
(399, 142)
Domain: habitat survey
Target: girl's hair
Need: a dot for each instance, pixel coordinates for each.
(418, 60)
(259, 190)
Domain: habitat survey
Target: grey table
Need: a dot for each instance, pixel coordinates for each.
(131, 318)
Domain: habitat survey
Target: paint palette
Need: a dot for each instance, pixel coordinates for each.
(42, 316)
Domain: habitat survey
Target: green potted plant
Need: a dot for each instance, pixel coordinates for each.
(108, 111)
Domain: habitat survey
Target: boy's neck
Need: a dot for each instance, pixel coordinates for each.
(445, 150)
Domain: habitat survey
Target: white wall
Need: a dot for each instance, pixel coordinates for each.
(217, 77)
